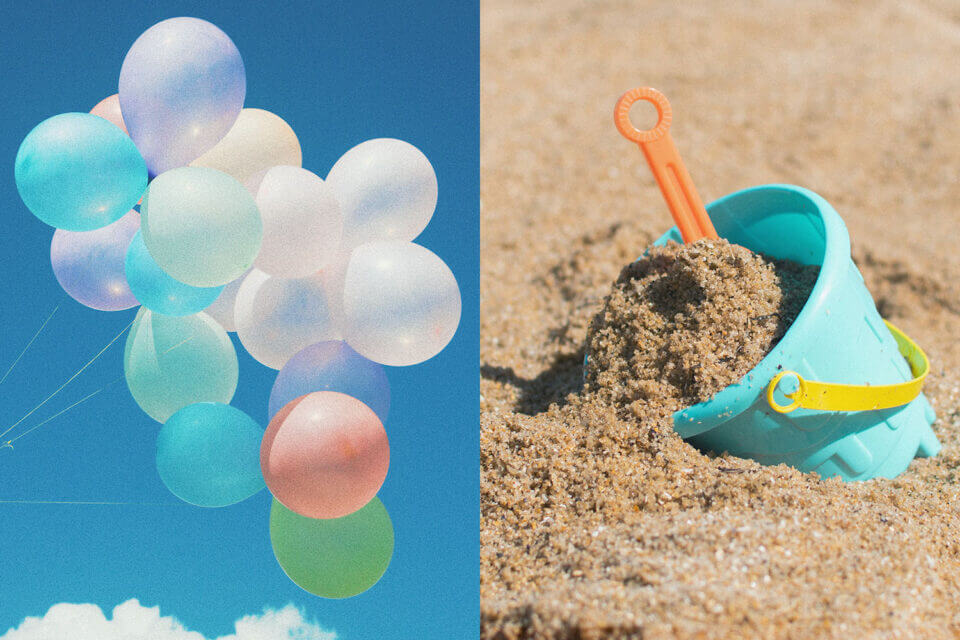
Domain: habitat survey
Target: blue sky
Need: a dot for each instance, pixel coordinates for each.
(339, 73)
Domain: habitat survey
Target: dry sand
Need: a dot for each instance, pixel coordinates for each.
(687, 320)
(857, 101)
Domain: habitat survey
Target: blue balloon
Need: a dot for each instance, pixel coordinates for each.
(79, 172)
(208, 454)
(332, 366)
(160, 292)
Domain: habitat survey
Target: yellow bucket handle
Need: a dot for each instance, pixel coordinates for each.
(826, 396)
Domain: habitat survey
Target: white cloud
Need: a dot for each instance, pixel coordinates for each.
(133, 621)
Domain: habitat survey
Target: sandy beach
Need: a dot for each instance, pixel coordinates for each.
(648, 537)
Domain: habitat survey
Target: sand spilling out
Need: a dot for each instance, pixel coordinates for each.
(681, 323)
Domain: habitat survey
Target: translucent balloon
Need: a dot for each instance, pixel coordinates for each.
(89, 265)
(332, 275)
(222, 308)
(109, 110)
(157, 291)
(201, 226)
(276, 317)
(333, 558)
(324, 455)
(182, 86)
(208, 455)
(257, 141)
(171, 362)
(387, 190)
(78, 172)
(332, 366)
(301, 222)
(401, 303)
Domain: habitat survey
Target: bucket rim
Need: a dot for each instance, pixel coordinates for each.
(738, 397)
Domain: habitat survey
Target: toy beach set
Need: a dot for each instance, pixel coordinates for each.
(841, 393)
(173, 197)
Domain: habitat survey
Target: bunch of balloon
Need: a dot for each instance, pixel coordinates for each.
(173, 196)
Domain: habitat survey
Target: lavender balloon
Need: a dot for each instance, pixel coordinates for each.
(89, 265)
(332, 366)
(182, 86)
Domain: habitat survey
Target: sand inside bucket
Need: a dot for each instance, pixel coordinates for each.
(685, 321)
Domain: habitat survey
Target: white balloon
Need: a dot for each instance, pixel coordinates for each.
(387, 190)
(301, 222)
(277, 317)
(332, 275)
(401, 303)
(221, 309)
(258, 140)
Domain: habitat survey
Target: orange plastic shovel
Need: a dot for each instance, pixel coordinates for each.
(664, 159)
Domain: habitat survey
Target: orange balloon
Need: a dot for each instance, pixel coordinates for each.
(325, 455)
(109, 109)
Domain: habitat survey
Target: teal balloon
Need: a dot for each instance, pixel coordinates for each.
(159, 292)
(208, 454)
(336, 558)
(201, 226)
(172, 362)
(79, 172)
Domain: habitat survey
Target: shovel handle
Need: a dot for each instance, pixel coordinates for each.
(668, 169)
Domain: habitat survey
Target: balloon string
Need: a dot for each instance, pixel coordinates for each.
(9, 443)
(95, 502)
(35, 336)
(179, 344)
(71, 379)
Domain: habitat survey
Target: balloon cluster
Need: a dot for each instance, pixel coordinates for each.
(172, 195)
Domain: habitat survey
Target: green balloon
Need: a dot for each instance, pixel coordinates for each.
(336, 558)
(200, 225)
(171, 362)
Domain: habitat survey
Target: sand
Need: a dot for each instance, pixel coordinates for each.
(859, 103)
(686, 320)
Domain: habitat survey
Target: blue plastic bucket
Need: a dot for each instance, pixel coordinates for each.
(838, 337)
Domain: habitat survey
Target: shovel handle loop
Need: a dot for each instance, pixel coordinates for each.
(668, 169)
(828, 396)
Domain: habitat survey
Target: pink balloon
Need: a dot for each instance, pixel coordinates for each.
(325, 455)
(109, 109)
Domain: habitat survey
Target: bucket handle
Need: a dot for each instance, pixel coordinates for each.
(827, 396)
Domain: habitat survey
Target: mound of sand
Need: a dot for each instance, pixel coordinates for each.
(685, 321)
